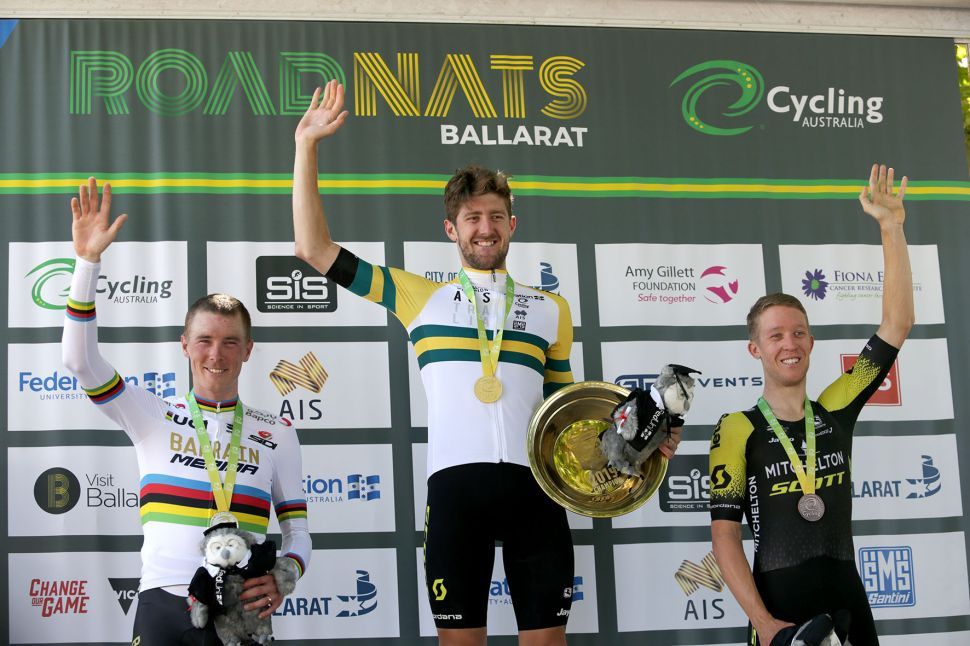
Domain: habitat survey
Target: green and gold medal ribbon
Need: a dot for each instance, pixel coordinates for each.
(489, 352)
(806, 475)
(221, 493)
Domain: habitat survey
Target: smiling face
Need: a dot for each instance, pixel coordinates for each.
(783, 343)
(483, 229)
(216, 345)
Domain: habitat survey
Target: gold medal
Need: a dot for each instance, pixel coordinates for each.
(488, 389)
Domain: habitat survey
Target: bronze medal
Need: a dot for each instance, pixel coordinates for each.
(488, 389)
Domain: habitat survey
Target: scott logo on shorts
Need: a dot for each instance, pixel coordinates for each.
(439, 589)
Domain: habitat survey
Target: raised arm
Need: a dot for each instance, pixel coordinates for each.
(322, 119)
(729, 553)
(886, 208)
(134, 409)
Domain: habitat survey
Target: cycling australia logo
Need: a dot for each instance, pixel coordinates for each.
(723, 92)
(721, 73)
(362, 602)
(355, 487)
(888, 576)
(288, 284)
(52, 283)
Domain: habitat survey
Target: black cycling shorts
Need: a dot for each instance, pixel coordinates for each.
(162, 619)
(470, 508)
(818, 585)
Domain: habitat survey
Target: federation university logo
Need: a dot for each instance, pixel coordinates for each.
(160, 383)
(715, 74)
(887, 573)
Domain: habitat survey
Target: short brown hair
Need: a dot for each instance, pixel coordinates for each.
(771, 300)
(473, 181)
(224, 305)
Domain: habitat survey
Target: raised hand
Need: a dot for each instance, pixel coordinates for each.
(91, 231)
(324, 116)
(878, 199)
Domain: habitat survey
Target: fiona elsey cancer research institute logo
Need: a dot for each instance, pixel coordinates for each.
(724, 92)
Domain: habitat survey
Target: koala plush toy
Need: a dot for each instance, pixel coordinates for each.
(644, 419)
(231, 556)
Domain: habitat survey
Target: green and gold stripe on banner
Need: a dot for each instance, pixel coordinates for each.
(431, 184)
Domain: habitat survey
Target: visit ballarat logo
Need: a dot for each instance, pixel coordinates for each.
(724, 92)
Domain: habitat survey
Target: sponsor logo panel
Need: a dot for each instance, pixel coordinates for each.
(419, 460)
(70, 598)
(91, 490)
(731, 378)
(344, 594)
(280, 289)
(547, 266)
(927, 639)
(914, 575)
(689, 589)
(792, 101)
(918, 398)
(653, 284)
(320, 385)
(684, 495)
(419, 398)
(43, 395)
(840, 284)
(501, 615)
(348, 488)
(905, 477)
(140, 282)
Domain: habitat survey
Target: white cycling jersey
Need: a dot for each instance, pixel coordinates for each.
(533, 361)
(176, 499)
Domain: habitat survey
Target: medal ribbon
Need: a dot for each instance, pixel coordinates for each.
(221, 494)
(489, 353)
(807, 480)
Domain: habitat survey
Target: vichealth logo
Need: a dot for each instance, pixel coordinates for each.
(818, 108)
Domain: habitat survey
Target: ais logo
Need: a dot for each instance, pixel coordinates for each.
(733, 89)
(288, 284)
(308, 374)
(693, 576)
(889, 393)
(887, 573)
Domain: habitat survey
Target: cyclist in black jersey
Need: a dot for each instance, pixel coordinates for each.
(791, 481)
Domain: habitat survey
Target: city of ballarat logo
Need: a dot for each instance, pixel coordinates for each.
(887, 573)
(363, 602)
(57, 490)
(126, 590)
(929, 484)
(288, 284)
(687, 487)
